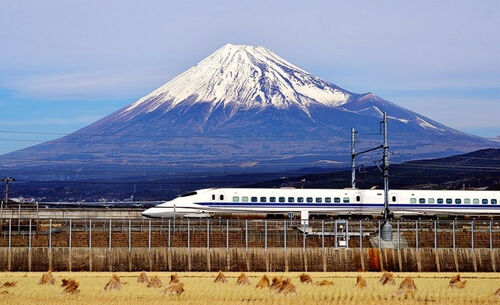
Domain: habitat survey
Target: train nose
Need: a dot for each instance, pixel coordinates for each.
(152, 213)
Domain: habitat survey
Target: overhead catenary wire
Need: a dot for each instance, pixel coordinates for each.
(233, 141)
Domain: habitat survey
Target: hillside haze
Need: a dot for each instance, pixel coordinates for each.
(241, 108)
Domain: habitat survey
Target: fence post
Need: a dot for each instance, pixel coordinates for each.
(129, 235)
(29, 236)
(227, 234)
(347, 233)
(208, 234)
(304, 236)
(246, 235)
(265, 234)
(453, 233)
(50, 233)
(379, 236)
(491, 235)
(168, 235)
(70, 231)
(323, 235)
(399, 236)
(335, 233)
(284, 235)
(109, 236)
(435, 235)
(19, 219)
(472, 234)
(188, 235)
(361, 235)
(90, 234)
(149, 235)
(416, 234)
(10, 233)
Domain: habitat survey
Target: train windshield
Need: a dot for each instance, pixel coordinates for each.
(188, 194)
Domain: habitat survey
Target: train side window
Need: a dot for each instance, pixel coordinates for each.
(300, 199)
(440, 201)
(413, 200)
(336, 199)
(213, 196)
(328, 199)
(319, 199)
(430, 200)
(236, 199)
(281, 199)
(244, 199)
(449, 201)
(272, 199)
(421, 200)
(221, 197)
(484, 201)
(309, 199)
(467, 201)
(291, 199)
(493, 201)
(254, 199)
(263, 199)
(346, 200)
(358, 198)
(458, 201)
(475, 201)
(393, 198)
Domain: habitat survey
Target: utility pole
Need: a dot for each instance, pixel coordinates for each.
(353, 158)
(6, 180)
(387, 228)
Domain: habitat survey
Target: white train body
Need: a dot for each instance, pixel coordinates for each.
(208, 202)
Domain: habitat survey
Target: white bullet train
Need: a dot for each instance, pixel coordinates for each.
(306, 202)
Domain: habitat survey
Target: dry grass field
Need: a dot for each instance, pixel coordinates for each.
(199, 288)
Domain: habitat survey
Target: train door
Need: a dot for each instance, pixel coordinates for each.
(358, 202)
(221, 196)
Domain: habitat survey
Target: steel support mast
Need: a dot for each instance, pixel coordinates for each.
(386, 228)
(353, 158)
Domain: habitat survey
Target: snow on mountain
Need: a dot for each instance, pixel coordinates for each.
(246, 77)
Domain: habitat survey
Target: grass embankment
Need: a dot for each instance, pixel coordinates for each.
(200, 289)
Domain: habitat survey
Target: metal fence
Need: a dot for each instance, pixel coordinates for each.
(231, 233)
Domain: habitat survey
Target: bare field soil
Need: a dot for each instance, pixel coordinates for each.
(199, 288)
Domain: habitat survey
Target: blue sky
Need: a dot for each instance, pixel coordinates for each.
(65, 64)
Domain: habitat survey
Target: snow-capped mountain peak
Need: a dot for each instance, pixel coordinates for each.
(242, 107)
(245, 77)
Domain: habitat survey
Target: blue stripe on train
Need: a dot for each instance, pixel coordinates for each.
(342, 205)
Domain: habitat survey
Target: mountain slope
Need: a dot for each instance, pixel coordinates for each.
(478, 169)
(242, 107)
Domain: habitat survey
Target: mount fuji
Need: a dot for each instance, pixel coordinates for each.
(244, 108)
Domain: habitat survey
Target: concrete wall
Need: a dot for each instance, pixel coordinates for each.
(255, 259)
(61, 213)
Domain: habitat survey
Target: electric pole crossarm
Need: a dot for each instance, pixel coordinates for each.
(368, 150)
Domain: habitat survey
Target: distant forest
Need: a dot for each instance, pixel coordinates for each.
(479, 169)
